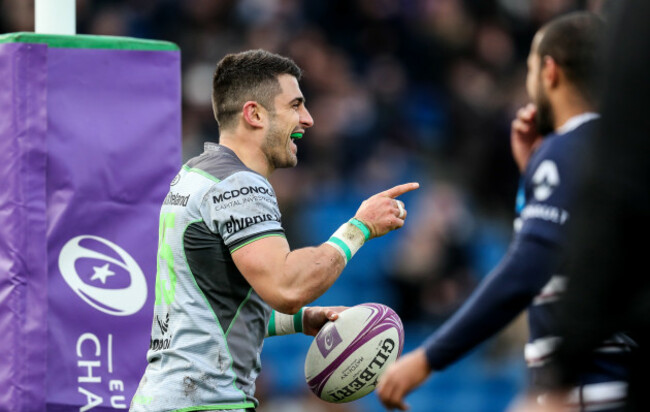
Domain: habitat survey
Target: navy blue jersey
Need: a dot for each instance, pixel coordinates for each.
(531, 274)
(543, 213)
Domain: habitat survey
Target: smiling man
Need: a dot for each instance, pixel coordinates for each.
(226, 275)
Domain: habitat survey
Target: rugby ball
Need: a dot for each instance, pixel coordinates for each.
(348, 355)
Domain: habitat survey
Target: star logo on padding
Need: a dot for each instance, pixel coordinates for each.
(102, 273)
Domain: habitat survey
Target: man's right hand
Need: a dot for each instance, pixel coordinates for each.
(382, 212)
(524, 137)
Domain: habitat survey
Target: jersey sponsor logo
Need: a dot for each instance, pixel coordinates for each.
(251, 199)
(545, 179)
(242, 191)
(163, 324)
(175, 199)
(96, 270)
(164, 341)
(176, 179)
(234, 225)
(159, 344)
(544, 212)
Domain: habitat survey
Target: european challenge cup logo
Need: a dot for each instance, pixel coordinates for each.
(328, 339)
(103, 274)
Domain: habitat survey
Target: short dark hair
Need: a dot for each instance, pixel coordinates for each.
(249, 75)
(576, 42)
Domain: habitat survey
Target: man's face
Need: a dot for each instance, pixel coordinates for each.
(289, 116)
(535, 88)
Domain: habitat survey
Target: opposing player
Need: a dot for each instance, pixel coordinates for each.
(562, 68)
(223, 260)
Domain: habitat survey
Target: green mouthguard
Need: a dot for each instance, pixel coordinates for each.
(296, 135)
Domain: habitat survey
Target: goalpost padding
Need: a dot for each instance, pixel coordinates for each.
(90, 138)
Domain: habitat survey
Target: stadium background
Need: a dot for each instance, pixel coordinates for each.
(400, 90)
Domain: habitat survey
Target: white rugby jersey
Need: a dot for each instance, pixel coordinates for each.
(209, 324)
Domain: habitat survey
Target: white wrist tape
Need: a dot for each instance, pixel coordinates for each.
(283, 324)
(349, 238)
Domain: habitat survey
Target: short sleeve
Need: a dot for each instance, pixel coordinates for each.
(242, 208)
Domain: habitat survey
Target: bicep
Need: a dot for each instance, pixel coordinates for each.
(261, 262)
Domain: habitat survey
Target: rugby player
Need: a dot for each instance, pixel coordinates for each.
(226, 275)
(562, 71)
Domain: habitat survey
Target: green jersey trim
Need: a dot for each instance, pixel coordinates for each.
(241, 305)
(216, 321)
(83, 41)
(254, 239)
(201, 172)
(216, 407)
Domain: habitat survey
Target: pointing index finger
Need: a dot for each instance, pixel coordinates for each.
(398, 190)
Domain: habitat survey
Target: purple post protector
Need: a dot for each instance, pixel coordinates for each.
(89, 141)
(23, 245)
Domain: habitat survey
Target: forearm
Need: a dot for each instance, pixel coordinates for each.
(288, 280)
(507, 290)
(307, 273)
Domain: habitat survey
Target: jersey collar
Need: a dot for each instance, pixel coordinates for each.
(211, 146)
(576, 121)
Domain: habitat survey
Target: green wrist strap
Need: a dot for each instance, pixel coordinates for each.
(282, 324)
(362, 226)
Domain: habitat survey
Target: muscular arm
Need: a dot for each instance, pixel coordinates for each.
(288, 280)
(506, 291)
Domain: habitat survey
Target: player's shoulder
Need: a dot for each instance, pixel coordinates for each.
(217, 163)
(557, 144)
(565, 148)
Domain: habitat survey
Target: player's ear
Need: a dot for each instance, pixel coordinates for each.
(254, 114)
(550, 72)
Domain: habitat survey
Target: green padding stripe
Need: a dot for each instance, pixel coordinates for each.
(83, 41)
(216, 407)
(297, 321)
(271, 328)
(253, 240)
(342, 245)
(362, 227)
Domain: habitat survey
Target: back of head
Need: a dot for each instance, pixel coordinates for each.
(247, 76)
(575, 42)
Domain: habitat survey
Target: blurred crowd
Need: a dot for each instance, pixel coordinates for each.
(400, 90)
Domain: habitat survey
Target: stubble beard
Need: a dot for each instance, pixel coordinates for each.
(276, 149)
(544, 119)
